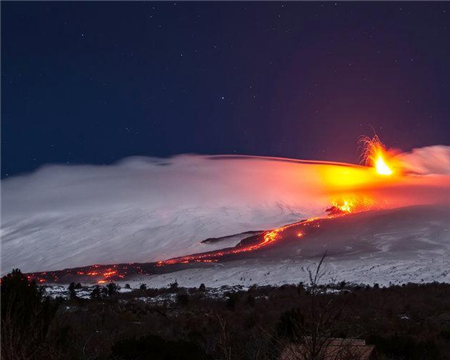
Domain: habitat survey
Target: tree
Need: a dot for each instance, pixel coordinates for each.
(310, 332)
(27, 316)
(182, 299)
(73, 293)
(251, 300)
(173, 286)
(96, 293)
(112, 288)
(232, 300)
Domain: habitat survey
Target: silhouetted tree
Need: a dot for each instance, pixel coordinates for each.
(73, 293)
(112, 288)
(251, 300)
(26, 317)
(182, 299)
(173, 286)
(232, 300)
(309, 334)
(96, 293)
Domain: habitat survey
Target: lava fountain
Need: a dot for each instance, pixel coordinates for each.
(375, 155)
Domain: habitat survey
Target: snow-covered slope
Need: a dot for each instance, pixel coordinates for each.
(52, 242)
(143, 209)
(391, 246)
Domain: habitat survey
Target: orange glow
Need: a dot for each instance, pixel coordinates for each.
(376, 155)
(346, 178)
(352, 204)
(382, 168)
(109, 273)
(345, 206)
(268, 237)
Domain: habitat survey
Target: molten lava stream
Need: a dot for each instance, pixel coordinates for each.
(268, 238)
(341, 207)
(102, 274)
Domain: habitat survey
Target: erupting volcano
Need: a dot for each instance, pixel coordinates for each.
(375, 154)
(350, 190)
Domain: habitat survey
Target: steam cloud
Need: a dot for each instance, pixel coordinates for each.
(427, 160)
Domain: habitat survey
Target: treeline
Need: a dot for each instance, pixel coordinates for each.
(403, 322)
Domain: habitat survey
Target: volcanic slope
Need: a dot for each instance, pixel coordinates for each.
(402, 245)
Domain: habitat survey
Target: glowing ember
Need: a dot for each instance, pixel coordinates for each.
(376, 155)
(109, 273)
(352, 204)
(347, 206)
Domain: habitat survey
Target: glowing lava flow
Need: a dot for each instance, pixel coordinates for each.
(268, 238)
(102, 274)
(352, 204)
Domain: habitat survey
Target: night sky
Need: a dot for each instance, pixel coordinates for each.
(93, 82)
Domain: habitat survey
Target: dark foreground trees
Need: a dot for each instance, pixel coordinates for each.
(26, 320)
(403, 322)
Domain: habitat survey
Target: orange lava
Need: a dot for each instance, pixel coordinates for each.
(375, 155)
(354, 204)
(268, 238)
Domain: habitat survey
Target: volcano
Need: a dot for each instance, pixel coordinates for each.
(228, 220)
(410, 244)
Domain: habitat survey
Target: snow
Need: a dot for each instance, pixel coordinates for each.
(387, 247)
(142, 209)
(42, 243)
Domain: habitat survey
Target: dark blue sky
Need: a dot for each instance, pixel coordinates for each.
(93, 82)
